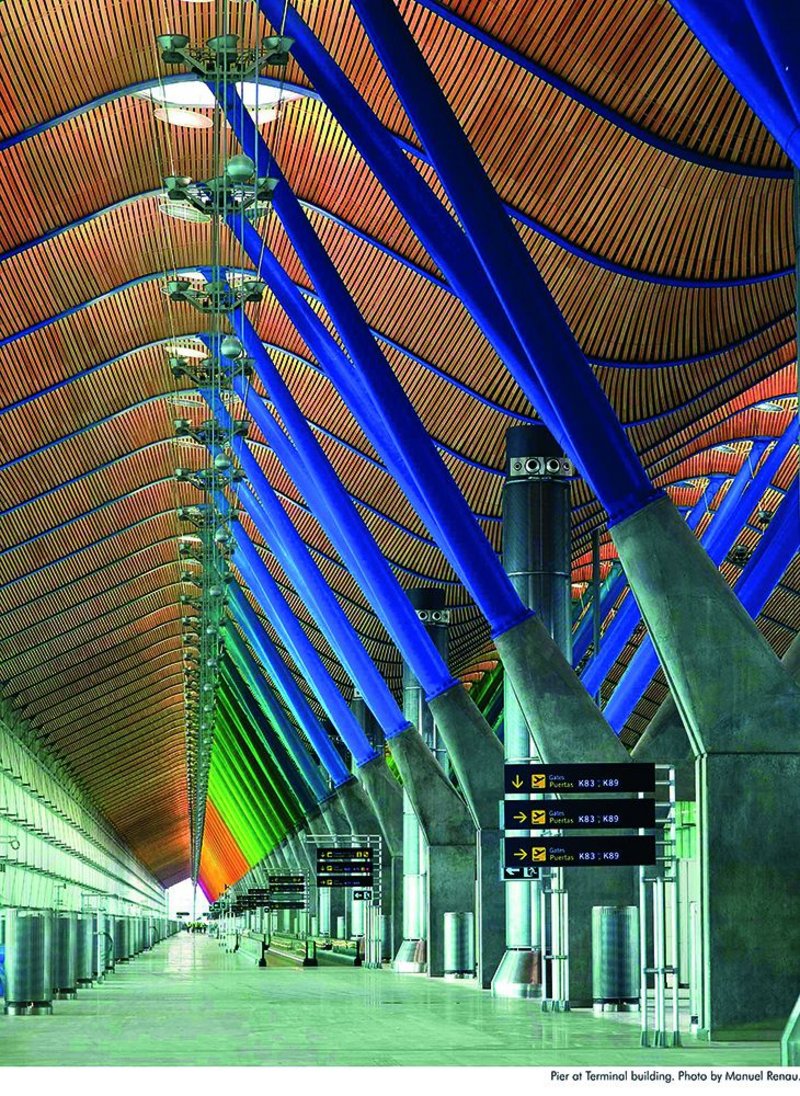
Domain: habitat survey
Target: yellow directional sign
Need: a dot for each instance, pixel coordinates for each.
(533, 818)
(583, 813)
(580, 850)
(517, 781)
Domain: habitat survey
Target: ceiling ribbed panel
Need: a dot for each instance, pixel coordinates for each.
(653, 201)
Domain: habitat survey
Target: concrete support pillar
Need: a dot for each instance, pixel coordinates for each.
(537, 556)
(449, 833)
(740, 708)
(386, 797)
(666, 740)
(411, 954)
(337, 904)
(435, 876)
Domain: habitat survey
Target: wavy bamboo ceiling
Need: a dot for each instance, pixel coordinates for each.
(654, 202)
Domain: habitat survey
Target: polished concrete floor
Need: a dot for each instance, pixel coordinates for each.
(189, 1003)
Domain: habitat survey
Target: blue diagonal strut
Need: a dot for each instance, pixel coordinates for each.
(743, 496)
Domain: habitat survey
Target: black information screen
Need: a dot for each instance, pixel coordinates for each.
(344, 867)
(344, 854)
(345, 881)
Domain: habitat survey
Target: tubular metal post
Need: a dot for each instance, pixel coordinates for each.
(694, 968)
(597, 618)
(643, 966)
(675, 879)
(562, 1004)
(544, 925)
(659, 957)
(665, 881)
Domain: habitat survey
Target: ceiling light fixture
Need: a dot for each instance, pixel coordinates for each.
(186, 119)
(222, 56)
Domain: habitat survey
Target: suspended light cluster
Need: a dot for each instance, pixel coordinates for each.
(181, 104)
(202, 374)
(211, 545)
(237, 190)
(218, 297)
(202, 622)
(222, 57)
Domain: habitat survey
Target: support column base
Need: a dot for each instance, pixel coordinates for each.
(751, 893)
(490, 916)
(519, 974)
(451, 889)
(411, 958)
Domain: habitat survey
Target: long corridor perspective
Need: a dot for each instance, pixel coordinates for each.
(188, 1002)
(400, 533)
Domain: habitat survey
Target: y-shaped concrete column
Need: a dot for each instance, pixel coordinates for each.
(449, 834)
(666, 741)
(386, 797)
(741, 709)
(411, 955)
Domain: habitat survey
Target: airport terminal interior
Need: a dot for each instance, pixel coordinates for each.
(399, 533)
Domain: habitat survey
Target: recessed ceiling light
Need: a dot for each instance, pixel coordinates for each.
(179, 116)
(186, 352)
(182, 211)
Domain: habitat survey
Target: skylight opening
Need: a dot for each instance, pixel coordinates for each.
(177, 100)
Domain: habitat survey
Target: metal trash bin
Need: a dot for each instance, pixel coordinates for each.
(459, 945)
(122, 931)
(615, 958)
(84, 943)
(385, 933)
(110, 930)
(65, 957)
(29, 963)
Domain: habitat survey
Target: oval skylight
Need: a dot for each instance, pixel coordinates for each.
(195, 94)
